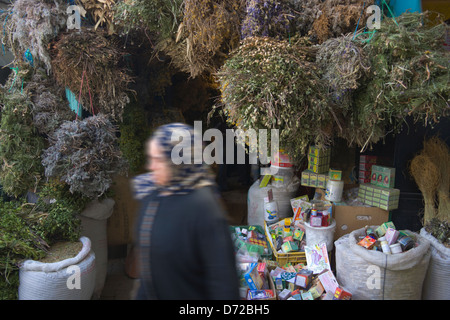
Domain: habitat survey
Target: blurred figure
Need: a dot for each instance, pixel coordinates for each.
(183, 238)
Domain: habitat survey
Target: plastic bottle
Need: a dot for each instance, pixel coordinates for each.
(384, 245)
(270, 211)
(325, 219)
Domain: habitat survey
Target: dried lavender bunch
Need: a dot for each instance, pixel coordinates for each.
(266, 18)
(85, 155)
(50, 108)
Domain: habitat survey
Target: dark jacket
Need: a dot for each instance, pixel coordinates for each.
(192, 255)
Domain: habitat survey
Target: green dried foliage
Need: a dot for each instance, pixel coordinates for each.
(54, 216)
(18, 242)
(90, 61)
(271, 84)
(28, 230)
(20, 146)
(31, 25)
(85, 155)
(411, 73)
(134, 132)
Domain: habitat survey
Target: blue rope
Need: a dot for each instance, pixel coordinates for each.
(359, 19)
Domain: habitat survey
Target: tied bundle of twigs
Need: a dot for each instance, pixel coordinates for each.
(89, 64)
(439, 153)
(426, 175)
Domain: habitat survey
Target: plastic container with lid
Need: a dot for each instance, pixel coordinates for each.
(396, 248)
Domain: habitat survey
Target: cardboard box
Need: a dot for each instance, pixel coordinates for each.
(319, 168)
(350, 218)
(384, 198)
(319, 159)
(317, 152)
(367, 159)
(383, 176)
(335, 174)
(312, 179)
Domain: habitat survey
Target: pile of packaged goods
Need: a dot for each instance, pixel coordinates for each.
(286, 237)
(268, 280)
(255, 282)
(387, 239)
(250, 243)
(315, 212)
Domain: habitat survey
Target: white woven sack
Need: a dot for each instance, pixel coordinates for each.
(52, 281)
(282, 195)
(374, 275)
(437, 280)
(94, 226)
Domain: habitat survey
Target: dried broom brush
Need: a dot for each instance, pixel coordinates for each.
(426, 175)
(439, 153)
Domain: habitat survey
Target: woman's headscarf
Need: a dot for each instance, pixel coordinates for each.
(184, 177)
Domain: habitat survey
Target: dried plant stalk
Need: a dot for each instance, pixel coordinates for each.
(438, 152)
(426, 175)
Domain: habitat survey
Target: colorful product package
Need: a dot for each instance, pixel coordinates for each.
(391, 235)
(253, 278)
(381, 230)
(303, 278)
(259, 294)
(383, 176)
(289, 246)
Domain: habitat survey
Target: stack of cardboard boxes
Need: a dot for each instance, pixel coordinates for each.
(319, 172)
(377, 190)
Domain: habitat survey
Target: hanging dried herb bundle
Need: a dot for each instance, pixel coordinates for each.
(20, 146)
(161, 17)
(101, 11)
(29, 25)
(271, 84)
(411, 72)
(90, 61)
(266, 18)
(212, 30)
(50, 108)
(85, 155)
(328, 19)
